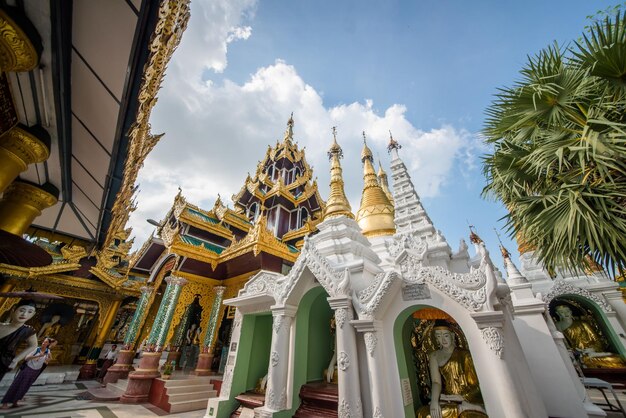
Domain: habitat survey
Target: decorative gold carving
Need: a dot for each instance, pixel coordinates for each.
(258, 239)
(185, 299)
(73, 253)
(17, 52)
(25, 146)
(21, 203)
(172, 21)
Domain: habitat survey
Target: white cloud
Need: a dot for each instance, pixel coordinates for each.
(215, 134)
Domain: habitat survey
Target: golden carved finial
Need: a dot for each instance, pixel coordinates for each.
(289, 131)
(366, 153)
(505, 253)
(376, 214)
(474, 238)
(337, 203)
(393, 144)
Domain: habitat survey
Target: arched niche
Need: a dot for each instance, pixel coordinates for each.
(313, 341)
(586, 309)
(413, 327)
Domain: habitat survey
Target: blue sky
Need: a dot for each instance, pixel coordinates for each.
(425, 70)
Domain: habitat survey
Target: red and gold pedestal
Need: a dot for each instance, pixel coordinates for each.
(203, 368)
(140, 381)
(121, 368)
(89, 370)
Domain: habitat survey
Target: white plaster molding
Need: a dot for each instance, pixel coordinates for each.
(369, 300)
(343, 361)
(264, 282)
(340, 317)
(377, 413)
(370, 342)
(494, 339)
(331, 280)
(344, 409)
(276, 402)
(278, 323)
(275, 358)
(561, 287)
(468, 289)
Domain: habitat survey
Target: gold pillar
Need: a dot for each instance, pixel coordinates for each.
(22, 202)
(20, 147)
(88, 370)
(107, 323)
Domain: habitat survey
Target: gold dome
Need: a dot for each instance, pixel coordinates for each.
(376, 214)
(337, 203)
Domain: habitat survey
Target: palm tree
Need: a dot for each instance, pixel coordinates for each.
(559, 150)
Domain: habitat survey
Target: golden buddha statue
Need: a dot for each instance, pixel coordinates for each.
(50, 328)
(454, 384)
(581, 335)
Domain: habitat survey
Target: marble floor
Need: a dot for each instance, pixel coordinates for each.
(64, 401)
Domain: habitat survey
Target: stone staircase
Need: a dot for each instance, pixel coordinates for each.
(182, 395)
(118, 387)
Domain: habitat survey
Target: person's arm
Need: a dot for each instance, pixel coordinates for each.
(32, 345)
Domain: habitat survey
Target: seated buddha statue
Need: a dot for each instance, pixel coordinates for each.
(581, 335)
(50, 328)
(454, 385)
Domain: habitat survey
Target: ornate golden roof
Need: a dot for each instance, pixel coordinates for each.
(262, 187)
(376, 214)
(337, 203)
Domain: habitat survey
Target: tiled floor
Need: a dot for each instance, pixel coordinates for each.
(63, 401)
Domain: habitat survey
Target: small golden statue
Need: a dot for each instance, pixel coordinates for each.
(454, 384)
(583, 336)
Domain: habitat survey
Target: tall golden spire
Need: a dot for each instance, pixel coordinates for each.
(382, 180)
(375, 216)
(337, 203)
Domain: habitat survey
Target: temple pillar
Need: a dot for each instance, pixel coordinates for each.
(140, 381)
(22, 202)
(349, 403)
(277, 374)
(20, 147)
(88, 370)
(205, 358)
(375, 358)
(124, 363)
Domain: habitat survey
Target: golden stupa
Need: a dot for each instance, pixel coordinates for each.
(376, 214)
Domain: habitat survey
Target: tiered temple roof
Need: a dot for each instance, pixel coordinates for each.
(272, 213)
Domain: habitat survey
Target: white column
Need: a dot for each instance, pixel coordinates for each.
(347, 359)
(277, 377)
(375, 359)
(616, 300)
(498, 360)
